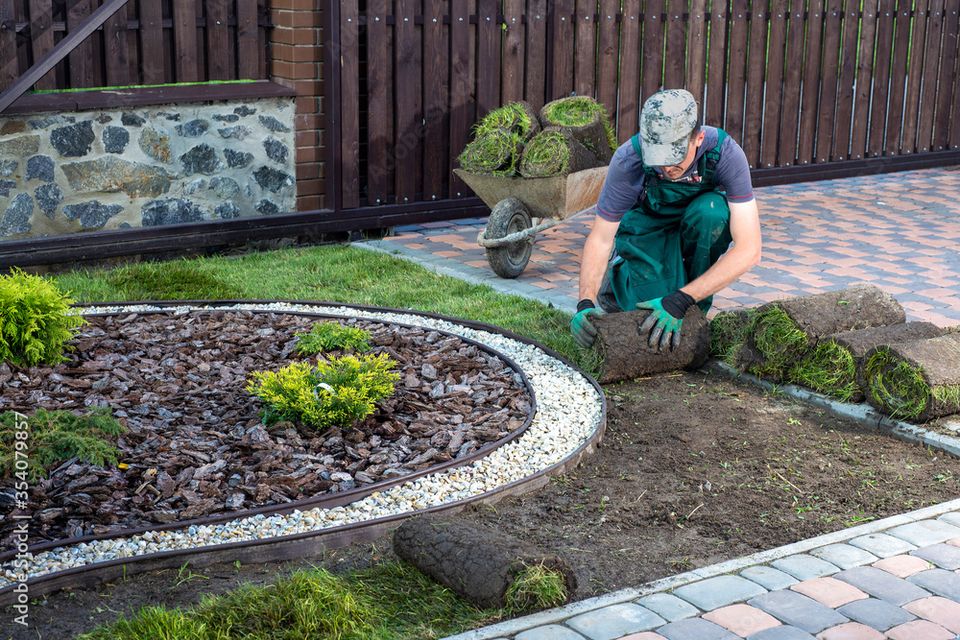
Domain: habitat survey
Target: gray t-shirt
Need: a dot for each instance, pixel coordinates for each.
(625, 178)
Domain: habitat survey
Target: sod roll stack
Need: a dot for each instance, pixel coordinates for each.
(484, 565)
(783, 332)
(626, 355)
(554, 152)
(587, 120)
(834, 367)
(917, 380)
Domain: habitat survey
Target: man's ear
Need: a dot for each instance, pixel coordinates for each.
(700, 137)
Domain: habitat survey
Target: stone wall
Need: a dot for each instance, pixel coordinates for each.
(115, 169)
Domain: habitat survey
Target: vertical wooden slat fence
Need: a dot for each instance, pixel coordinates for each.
(797, 82)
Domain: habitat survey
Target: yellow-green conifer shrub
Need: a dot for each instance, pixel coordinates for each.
(337, 392)
(35, 320)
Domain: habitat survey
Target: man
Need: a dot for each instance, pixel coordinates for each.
(675, 197)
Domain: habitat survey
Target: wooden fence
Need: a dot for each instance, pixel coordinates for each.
(796, 82)
(148, 42)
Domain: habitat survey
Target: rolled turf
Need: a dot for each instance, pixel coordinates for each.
(728, 330)
(515, 117)
(555, 152)
(625, 354)
(835, 365)
(493, 153)
(917, 380)
(587, 120)
(784, 331)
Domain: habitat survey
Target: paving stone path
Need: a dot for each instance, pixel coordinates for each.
(896, 579)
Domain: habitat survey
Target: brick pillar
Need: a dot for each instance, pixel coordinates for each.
(296, 46)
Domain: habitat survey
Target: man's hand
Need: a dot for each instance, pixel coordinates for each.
(665, 320)
(584, 333)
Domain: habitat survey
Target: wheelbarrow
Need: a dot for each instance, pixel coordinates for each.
(515, 204)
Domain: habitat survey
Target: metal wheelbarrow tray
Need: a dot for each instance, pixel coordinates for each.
(514, 202)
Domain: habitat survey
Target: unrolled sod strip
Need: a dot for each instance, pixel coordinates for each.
(555, 152)
(835, 365)
(587, 120)
(728, 330)
(626, 354)
(917, 380)
(784, 331)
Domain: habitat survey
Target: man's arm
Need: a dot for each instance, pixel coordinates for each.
(596, 255)
(740, 258)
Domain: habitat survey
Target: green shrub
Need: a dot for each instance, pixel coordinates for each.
(35, 320)
(339, 392)
(53, 437)
(326, 336)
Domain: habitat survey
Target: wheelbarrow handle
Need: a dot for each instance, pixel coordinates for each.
(519, 236)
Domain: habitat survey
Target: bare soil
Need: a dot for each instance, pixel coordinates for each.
(694, 469)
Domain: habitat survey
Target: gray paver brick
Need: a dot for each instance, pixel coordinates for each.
(695, 629)
(945, 556)
(951, 518)
(876, 613)
(881, 584)
(782, 633)
(550, 632)
(615, 621)
(939, 581)
(718, 592)
(925, 532)
(798, 610)
(668, 607)
(768, 577)
(845, 556)
(882, 545)
(805, 567)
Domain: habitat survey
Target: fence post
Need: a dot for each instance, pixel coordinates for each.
(296, 62)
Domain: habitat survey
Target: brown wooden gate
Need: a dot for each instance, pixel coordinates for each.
(810, 88)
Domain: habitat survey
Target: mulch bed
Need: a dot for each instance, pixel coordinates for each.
(196, 445)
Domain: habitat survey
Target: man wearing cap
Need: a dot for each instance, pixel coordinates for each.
(676, 195)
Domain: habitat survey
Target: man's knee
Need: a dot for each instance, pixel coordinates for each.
(709, 210)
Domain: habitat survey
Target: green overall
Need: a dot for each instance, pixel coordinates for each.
(675, 232)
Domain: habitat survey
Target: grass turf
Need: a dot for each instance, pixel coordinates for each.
(728, 330)
(536, 587)
(494, 153)
(899, 388)
(389, 601)
(547, 154)
(578, 111)
(829, 369)
(513, 117)
(779, 340)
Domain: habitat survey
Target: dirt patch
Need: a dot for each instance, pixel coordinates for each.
(694, 469)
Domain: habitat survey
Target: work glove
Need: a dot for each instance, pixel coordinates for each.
(584, 333)
(665, 321)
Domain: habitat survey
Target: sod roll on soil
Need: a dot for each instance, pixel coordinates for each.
(555, 152)
(835, 365)
(785, 330)
(626, 355)
(917, 380)
(479, 563)
(587, 120)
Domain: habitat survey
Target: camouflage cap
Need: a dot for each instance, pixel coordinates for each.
(666, 121)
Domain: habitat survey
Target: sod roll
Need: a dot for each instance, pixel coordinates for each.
(515, 117)
(835, 365)
(626, 355)
(555, 152)
(587, 120)
(493, 153)
(784, 331)
(728, 330)
(917, 380)
(479, 563)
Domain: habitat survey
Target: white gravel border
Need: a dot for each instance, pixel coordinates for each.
(568, 414)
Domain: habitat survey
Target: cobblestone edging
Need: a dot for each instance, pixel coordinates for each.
(569, 412)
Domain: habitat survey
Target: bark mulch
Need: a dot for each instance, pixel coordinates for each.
(196, 445)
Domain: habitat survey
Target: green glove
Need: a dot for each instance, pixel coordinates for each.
(584, 333)
(665, 320)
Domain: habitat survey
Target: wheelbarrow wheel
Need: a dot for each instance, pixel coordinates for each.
(509, 216)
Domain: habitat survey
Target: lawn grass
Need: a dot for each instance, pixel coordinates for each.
(328, 273)
(388, 601)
